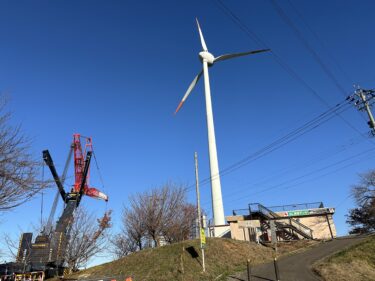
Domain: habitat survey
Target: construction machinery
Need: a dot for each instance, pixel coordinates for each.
(47, 253)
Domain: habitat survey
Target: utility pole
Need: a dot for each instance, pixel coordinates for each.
(362, 99)
(201, 230)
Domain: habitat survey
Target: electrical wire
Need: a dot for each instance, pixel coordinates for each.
(342, 201)
(284, 140)
(283, 187)
(254, 37)
(318, 39)
(310, 49)
(284, 171)
(300, 131)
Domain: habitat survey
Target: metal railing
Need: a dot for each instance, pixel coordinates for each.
(286, 222)
(301, 227)
(282, 222)
(267, 212)
(240, 212)
(294, 207)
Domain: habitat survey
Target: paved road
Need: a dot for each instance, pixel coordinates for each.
(298, 267)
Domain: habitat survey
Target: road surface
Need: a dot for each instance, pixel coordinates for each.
(298, 267)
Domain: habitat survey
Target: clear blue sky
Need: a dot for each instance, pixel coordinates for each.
(116, 70)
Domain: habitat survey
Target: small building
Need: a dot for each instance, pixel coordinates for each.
(287, 222)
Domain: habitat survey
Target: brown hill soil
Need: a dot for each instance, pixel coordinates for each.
(355, 263)
(182, 261)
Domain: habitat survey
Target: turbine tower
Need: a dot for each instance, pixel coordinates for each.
(208, 60)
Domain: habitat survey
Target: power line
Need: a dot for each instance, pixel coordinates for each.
(280, 186)
(293, 168)
(306, 44)
(342, 201)
(322, 44)
(254, 37)
(300, 131)
(309, 48)
(284, 140)
(335, 164)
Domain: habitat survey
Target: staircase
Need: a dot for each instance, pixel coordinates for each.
(290, 228)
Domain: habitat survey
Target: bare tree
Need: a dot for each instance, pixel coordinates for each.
(362, 218)
(123, 245)
(159, 214)
(18, 170)
(157, 208)
(11, 245)
(133, 226)
(88, 237)
(364, 192)
(131, 236)
(180, 227)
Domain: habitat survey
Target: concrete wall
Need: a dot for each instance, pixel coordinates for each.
(317, 223)
(240, 229)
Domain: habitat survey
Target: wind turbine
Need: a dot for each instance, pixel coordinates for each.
(208, 60)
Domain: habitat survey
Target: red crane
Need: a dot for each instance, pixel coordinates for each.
(48, 252)
(79, 164)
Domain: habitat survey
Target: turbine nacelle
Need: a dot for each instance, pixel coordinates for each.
(207, 56)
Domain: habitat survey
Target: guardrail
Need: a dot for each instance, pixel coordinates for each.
(240, 212)
(294, 207)
(296, 225)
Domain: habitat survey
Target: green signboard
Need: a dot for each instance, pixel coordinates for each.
(307, 212)
(298, 213)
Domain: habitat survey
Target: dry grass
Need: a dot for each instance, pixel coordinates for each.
(174, 262)
(356, 263)
(292, 247)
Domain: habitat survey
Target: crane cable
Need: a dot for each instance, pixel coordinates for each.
(100, 176)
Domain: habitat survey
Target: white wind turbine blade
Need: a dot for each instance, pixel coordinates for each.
(204, 47)
(230, 56)
(191, 87)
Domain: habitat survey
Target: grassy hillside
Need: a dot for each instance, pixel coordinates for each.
(177, 261)
(355, 263)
